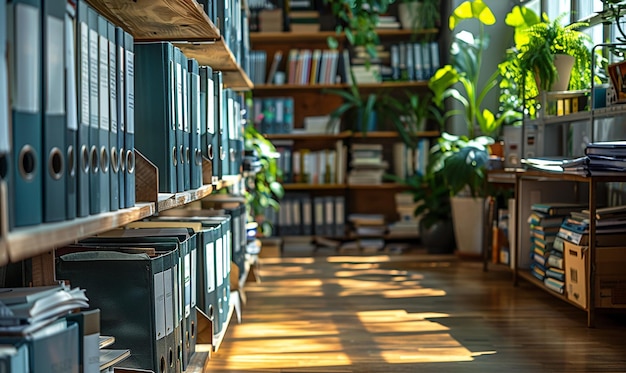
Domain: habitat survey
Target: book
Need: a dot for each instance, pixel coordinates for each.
(557, 208)
(278, 56)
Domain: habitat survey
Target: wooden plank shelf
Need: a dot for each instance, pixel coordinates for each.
(275, 88)
(526, 275)
(169, 201)
(282, 37)
(309, 136)
(304, 186)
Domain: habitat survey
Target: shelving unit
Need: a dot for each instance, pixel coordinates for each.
(535, 186)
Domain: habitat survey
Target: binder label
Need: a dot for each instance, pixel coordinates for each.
(55, 77)
(93, 79)
(219, 261)
(159, 306)
(187, 279)
(173, 111)
(185, 122)
(112, 88)
(27, 59)
(104, 83)
(179, 96)
(84, 74)
(193, 277)
(70, 66)
(129, 82)
(168, 285)
(209, 255)
(197, 95)
(210, 120)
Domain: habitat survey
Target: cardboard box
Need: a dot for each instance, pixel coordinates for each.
(576, 272)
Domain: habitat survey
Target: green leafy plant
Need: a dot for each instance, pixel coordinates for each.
(263, 189)
(425, 15)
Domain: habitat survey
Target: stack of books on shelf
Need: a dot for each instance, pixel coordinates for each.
(601, 158)
(325, 166)
(546, 252)
(387, 23)
(258, 62)
(303, 20)
(303, 215)
(369, 231)
(408, 223)
(367, 164)
(272, 115)
(306, 66)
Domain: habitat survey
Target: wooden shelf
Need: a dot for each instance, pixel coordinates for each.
(261, 88)
(26, 242)
(526, 275)
(169, 201)
(154, 20)
(183, 22)
(383, 186)
(391, 134)
(303, 186)
(282, 37)
(309, 136)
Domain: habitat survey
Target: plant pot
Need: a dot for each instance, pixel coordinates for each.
(468, 216)
(408, 15)
(371, 125)
(564, 64)
(438, 238)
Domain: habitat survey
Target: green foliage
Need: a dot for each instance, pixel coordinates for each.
(263, 188)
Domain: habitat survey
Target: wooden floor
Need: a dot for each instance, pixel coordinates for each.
(410, 313)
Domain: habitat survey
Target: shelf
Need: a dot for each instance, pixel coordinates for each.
(169, 201)
(285, 37)
(303, 186)
(27, 242)
(556, 176)
(309, 136)
(234, 303)
(217, 55)
(526, 275)
(383, 186)
(183, 22)
(318, 87)
(391, 134)
(173, 20)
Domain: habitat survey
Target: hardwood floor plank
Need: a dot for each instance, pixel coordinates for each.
(410, 313)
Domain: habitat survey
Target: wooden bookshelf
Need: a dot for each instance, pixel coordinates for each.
(304, 186)
(282, 37)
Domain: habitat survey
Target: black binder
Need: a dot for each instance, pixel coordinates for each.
(71, 109)
(114, 159)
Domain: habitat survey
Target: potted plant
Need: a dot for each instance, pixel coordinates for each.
(462, 160)
(549, 51)
(263, 189)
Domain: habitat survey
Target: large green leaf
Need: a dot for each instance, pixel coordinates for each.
(476, 9)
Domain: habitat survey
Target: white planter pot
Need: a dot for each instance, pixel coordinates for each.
(408, 14)
(468, 216)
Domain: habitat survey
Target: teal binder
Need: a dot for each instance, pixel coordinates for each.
(14, 358)
(121, 119)
(219, 120)
(185, 152)
(129, 120)
(114, 168)
(54, 118)
(207, 119)
(129, 291)
(24, 36)
(104, 116)
(71, 109)
(180, 82)
(195, 159)
(154, 105)
(82, 103)
(94, 113)
(5, 140)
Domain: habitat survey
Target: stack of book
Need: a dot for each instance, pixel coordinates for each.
(369, 230)
(367, 164)
(408, 223)
(545, 222)
(610, 227)
(601, 158)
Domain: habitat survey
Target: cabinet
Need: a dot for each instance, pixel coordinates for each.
(312, 99)
(186, 24)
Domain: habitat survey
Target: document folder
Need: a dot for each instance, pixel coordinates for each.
(185, 152)
(71, 110)
(219, 117)
(207, 124)
(154, 104)
(94, 113)
(129, 291)
(121, 121)
(195, 157)
(24, 36)
(5, 133)
(82, 97)
(14, 358)
(129, 120)
(104, 114)
(114, 159)
(179, 117)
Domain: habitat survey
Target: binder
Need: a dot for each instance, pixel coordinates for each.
(88, 323)
(94, 113)
(5, 141)
(14, 359)
(180, 110)
(129, 120)
(24, 29)
(206, 115)
(83, 101)
(195, 158)
(340, 216)
(219, 119)
(120, 72)
(141, 305)
(114, 172)
(71, 109)
(225, 128)
(53, 346)
(104, 117)
(234, 134)
(185, 154)
(154, 84)
(54, 119)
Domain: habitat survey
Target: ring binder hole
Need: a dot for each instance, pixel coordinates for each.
(122, 160)
(130, 161)
(170, 357)
(210, 151)
(222, 153)
(211, 311)
(4, 166)
(55, 163)
(198, 157)
(71, 165)
(187, 340)
(182, 154)
(188, 155)
(104, 160)
(27, 162)
(94, 164)
(175, 156)
(115, 161)
(232, 155)
(84, 159)
(162, 365)
(193, 327)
